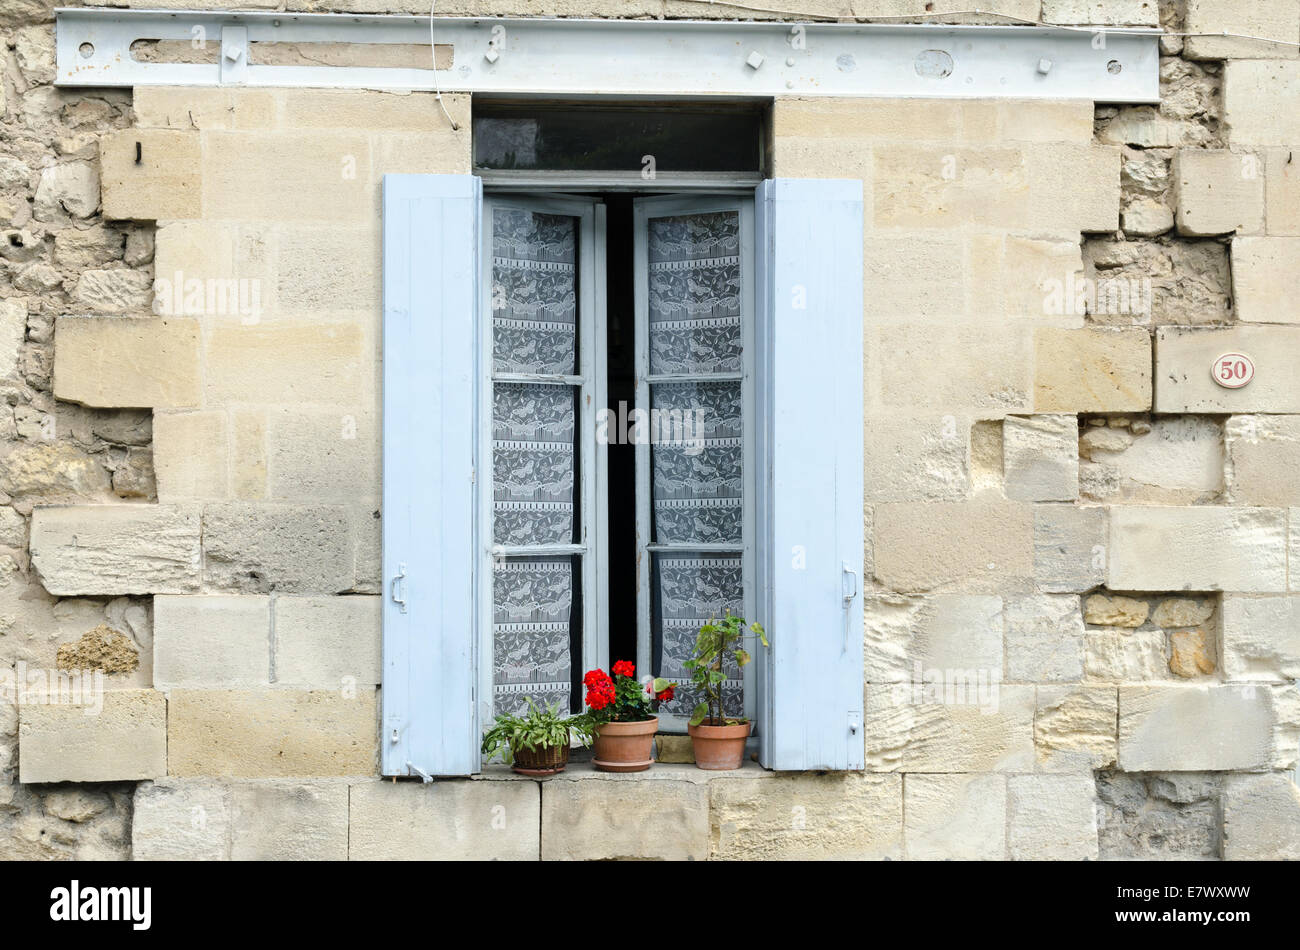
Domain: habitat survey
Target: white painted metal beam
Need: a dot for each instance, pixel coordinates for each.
(573, 57)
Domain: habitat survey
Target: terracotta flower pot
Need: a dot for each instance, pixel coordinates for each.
(542, 761)
(624, 746)
(719, 747)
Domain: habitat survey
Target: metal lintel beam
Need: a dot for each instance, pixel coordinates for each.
(575, 57)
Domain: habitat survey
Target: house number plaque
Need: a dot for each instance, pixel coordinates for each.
(1233, 370)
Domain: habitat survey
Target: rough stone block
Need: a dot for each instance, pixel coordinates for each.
(955, 817)
(1092, 370)
(1052, 817)
(1197, 548)
(151, 174)
(1261, 637)
(1261, 818)
(1044, 638)
(258, 548)
(211, 641)
(1070, 547)
(289, 821)
(1041, 457)
(1270, 21)
(327, 642)
(1218, 192)
(116, 549)
(1185, 357)
(1263, 455)
(1167, 461)
(1102, 12)
(982, 544)
(271, 733)
(1189, 728)
(1120, 656)
(190, 452)
(127, 362)
(949, 631)
(68, 189)
(912, 727)
(586, 818)
(125, 741)
(1074, 728)
(1159, 816)
(449, 820)
(837, 816)
(1264, 281)
(180, 820)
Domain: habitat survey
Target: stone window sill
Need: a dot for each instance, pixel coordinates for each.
(659, 772)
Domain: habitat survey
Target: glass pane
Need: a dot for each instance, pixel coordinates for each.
(533, 464)
(536, 631)
(689, 590)
(697, 462)
(694, 277)
(534, 292)
(617, 139)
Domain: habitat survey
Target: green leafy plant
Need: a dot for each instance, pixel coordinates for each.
(537, 728)
(717, 640)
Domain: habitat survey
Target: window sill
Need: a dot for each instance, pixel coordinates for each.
(659, 772)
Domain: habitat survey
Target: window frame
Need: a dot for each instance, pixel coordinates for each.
(591, 470)
(667, 206)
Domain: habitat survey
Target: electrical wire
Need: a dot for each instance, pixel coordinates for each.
(433, 55)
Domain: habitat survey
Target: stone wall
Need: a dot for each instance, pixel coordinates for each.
(1083, 630)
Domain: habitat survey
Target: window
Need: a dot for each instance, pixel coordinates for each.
(497, 509)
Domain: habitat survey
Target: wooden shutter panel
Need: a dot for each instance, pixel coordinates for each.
(431, 306)
(809, 541)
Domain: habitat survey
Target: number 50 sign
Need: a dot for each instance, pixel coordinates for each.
(1233, 370)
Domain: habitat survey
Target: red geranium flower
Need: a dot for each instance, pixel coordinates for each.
(624, 668)
(665, 695)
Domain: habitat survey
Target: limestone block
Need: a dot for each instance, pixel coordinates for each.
(13, 330)
(1185, 357)
(1069, 547)
(981, 544)
(1293, 546)
(937, 186)
(960, 368)
(180, 820)
(327, 642)
(988, 727)
(838, 816)
(115, 291)
(1197, 548)
(1271, 21)
(1118, 656)
(1074, 728)
(1260, 100)
(1102, 12)
(116, 549)
(1115, 611)
(271, 733)
(1262, 457)
(1041, 457)
(326, 455)
(1052, 817)
(287, 363)
(190, 451)
(195, 107)
(53, 471)
(585, 818)
(151, 174)
(944, 632)
(296, 549)
(1264, 279)
(208, 641)
(127, 361)
(895, 287)
(71, 188)
(448, 820)
(289, 821)
(955, 817)
(1218, 192)
(1282, 196)
(1261, 817)
(1178, 460)
(1182, 728)
(1044, 638)
(125, 740)
(1261, 637)
(1092, 370)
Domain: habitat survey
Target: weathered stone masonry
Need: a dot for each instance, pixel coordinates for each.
(1064, 513)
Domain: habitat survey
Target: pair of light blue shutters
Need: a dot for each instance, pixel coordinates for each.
(809, 448)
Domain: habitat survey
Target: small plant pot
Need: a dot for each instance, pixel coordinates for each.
(542, 761)
(719, 748)
(624, 746)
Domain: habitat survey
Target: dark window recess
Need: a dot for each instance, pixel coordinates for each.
(680, 140)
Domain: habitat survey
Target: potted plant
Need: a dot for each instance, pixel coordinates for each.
(719, 740)
(536, 743)
(620, 716)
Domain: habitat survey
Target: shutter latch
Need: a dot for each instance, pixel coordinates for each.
(394, 590)
(850, 592)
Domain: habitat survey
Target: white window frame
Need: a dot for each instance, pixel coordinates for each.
(591, 468)
(666, 206)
